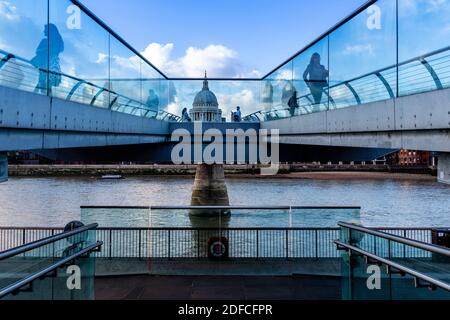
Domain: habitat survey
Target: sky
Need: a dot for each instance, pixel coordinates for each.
(230, 38)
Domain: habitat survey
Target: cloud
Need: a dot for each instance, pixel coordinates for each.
(245, 99)
(284, 75)
(102, 57)
(8, 11)
(218, 60)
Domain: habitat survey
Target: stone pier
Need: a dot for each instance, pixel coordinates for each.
(444, 168)
(3, 167)
(210, 188)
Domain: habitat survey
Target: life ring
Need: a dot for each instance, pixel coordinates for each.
(218, 248)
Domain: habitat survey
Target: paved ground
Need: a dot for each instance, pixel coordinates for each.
(217, 288)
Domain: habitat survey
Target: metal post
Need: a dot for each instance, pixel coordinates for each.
(140, 244)
(198, 244)
(110, 244)
(404, 246)
(168, 244)
(23, 236)
(317, 244)
(287, 244)
(257, 244)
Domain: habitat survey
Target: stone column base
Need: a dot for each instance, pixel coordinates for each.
(210, 189)
(444, 168)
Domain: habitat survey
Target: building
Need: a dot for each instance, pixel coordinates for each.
(412, 157)
(205, 107)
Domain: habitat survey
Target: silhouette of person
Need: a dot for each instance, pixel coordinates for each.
(238, 115)
(152, 100)
(316, 78)
(293, 104)
(47, 58)
(185, 116)
(288, 91)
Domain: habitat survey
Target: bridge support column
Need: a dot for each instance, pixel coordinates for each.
(210, 189)
(444, 168)
(3, 167)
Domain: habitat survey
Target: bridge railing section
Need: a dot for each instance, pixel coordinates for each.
(382, 265)
(41, 269)
(191, 243)
(59, 48)
(381, 52)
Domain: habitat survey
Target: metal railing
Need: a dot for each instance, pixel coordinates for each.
(377, 85)
(47, 271)
(191, 243)
(420, 279)
(74, 87)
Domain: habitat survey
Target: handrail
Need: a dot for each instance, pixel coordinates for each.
(37, 275)
(396, 266)
(376, 73)
(189, 228)
(40, 243)
(387, 236)
(219, 207)
(81, 82)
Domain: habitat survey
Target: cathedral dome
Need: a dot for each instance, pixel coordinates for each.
(205, 98)
(205, 106)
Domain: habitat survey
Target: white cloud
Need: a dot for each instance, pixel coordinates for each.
(284, 75)
(8, 11)
(245, 99)
(218, 60)
(102, 57)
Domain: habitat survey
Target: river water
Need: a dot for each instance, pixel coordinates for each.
(52, 202)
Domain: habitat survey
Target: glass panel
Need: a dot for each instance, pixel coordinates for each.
(364, 45)
(51, 288)
(356, 281)
(311, 79)
(125, 75)
(29, 50)
(229, 93)
(153, 92)
(283, 89)
(79, 50)
(417, 48)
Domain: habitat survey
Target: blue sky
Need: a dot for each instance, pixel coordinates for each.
(259, 34)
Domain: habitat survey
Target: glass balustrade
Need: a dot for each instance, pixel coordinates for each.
(55, 285)
(365, 277)
(384, 51)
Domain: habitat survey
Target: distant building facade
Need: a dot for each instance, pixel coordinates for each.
(411, 158)
(206, 107)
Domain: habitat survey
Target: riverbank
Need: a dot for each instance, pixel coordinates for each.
(292, 171)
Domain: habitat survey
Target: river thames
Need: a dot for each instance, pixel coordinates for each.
(52, 202)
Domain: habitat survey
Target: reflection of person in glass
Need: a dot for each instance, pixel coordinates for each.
(293, 104)
(152, 100)
(316, 76)
(47, 58)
